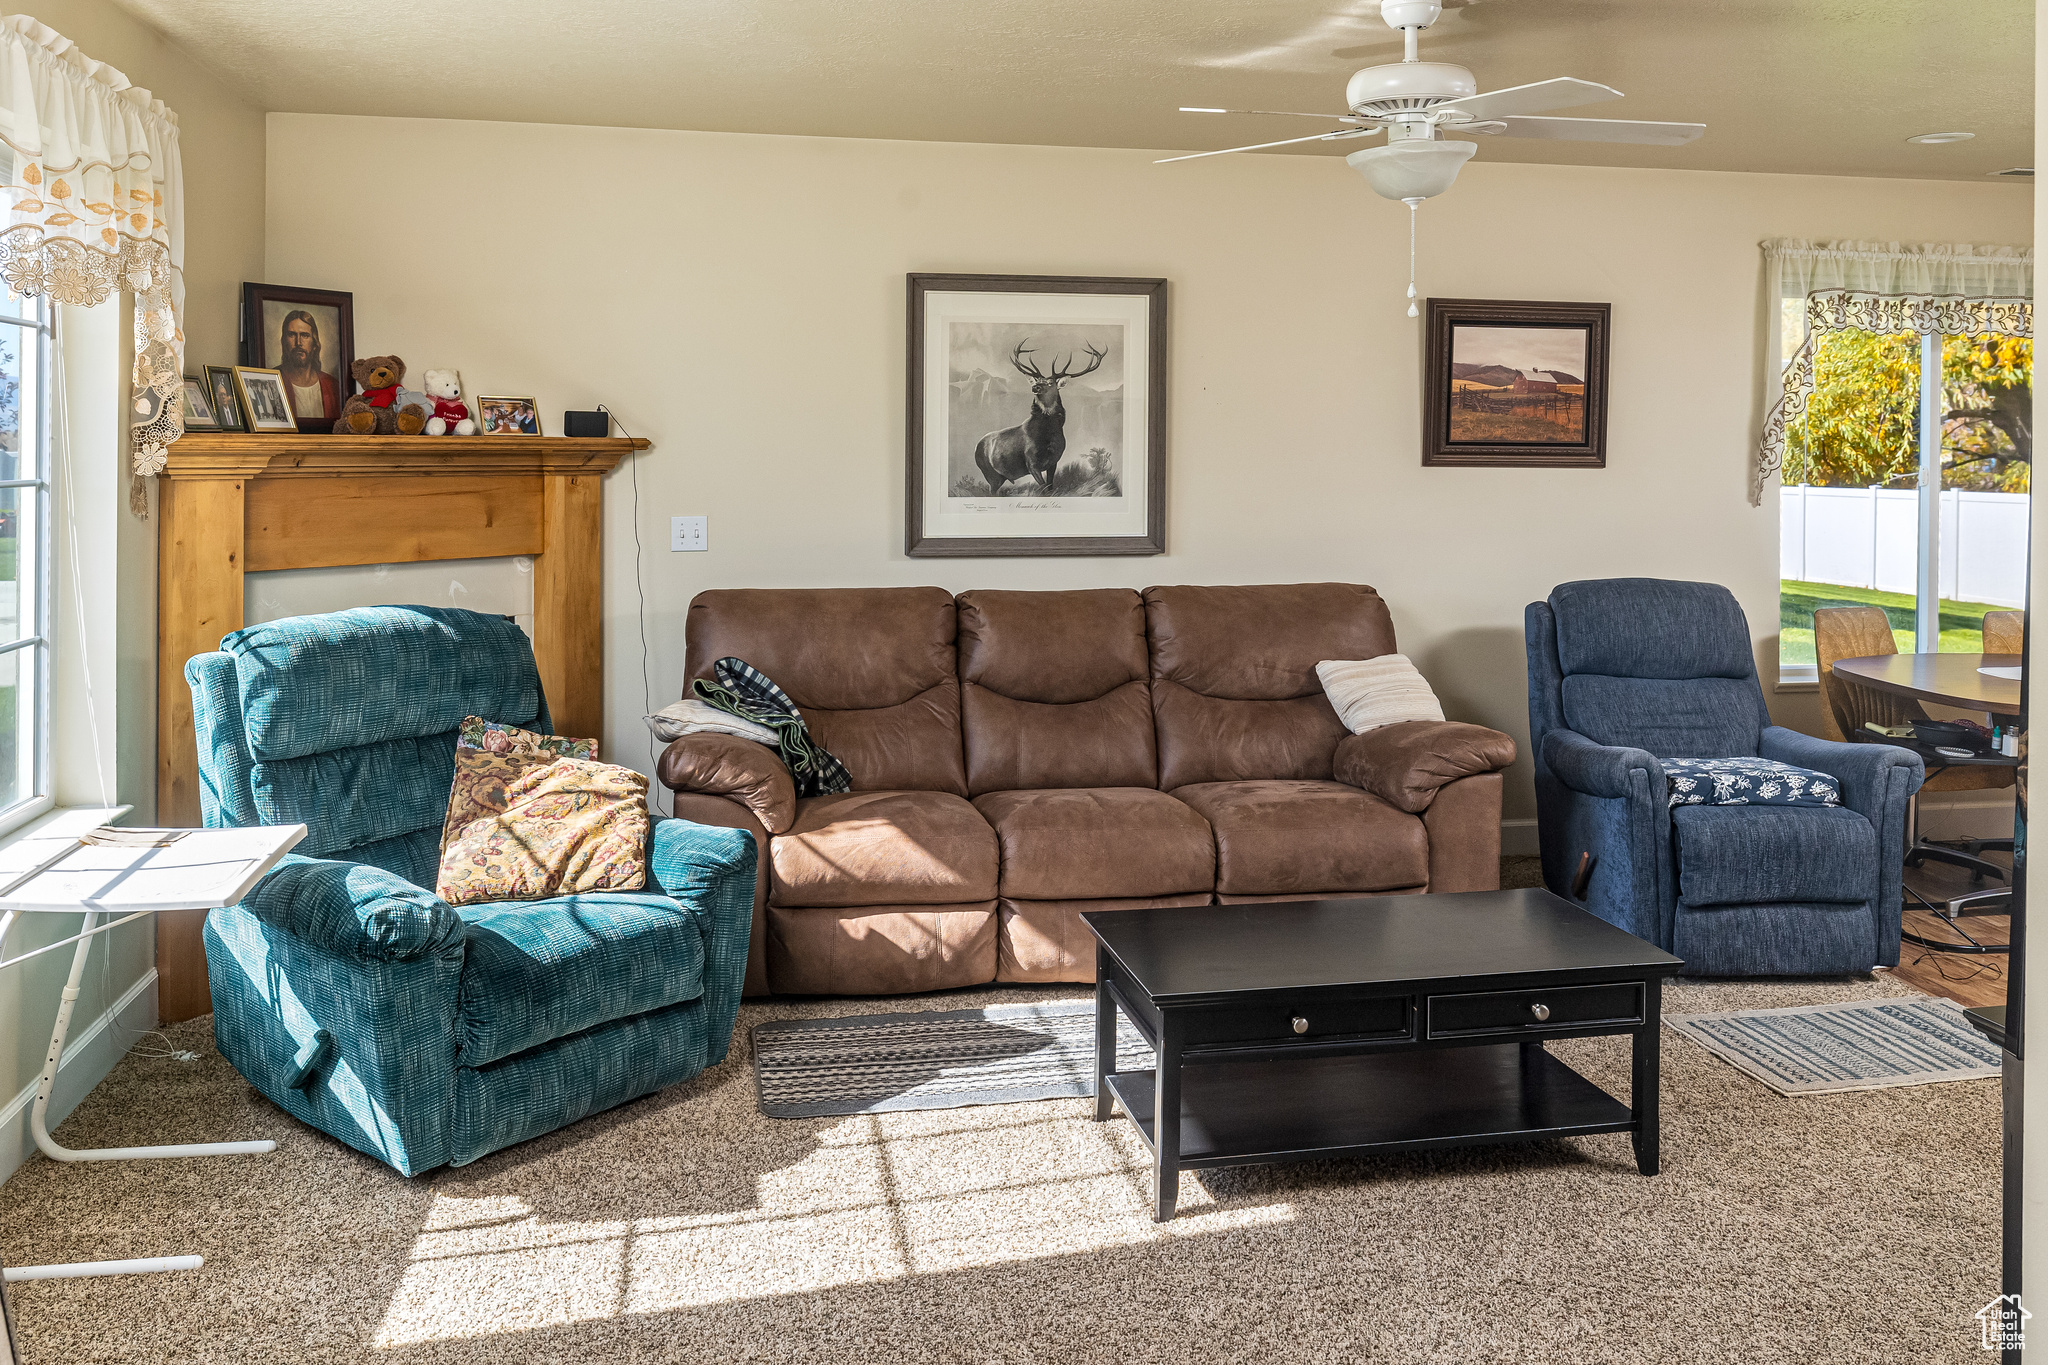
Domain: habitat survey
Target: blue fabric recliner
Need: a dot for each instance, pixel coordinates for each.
(1624, 672)
(352, 996)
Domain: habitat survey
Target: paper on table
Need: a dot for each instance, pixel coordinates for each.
(2009, 673)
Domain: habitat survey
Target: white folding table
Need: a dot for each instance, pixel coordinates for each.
(76, 863)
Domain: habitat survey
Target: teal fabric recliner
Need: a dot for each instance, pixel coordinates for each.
(353, 997)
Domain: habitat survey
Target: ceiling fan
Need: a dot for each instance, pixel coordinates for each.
(1415, 102)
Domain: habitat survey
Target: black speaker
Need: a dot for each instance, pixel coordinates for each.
(586, 424)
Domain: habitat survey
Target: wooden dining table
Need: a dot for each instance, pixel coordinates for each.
(1945, 679)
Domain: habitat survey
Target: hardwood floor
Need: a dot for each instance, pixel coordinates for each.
(1964, 978)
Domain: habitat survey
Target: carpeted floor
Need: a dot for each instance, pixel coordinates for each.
(686, 1227)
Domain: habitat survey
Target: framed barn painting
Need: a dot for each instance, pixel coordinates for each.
(1513, 383)
(1037, 416)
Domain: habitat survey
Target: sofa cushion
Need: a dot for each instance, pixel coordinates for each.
(315, 684)
(535, 971)
(872, 670)
(1080, 842)
(881, 949)
(1235, 694)
(1273, 838)
(1651, 628)
(1671, 718)
(883, 848)
(1046, 941)
(1054, 691)
(1758, 855)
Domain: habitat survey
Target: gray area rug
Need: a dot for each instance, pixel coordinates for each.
(1861, 1045)
(945, 1059)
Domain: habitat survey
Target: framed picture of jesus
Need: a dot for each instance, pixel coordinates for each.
(308, 337)
(1515, 383)
(1036, 418)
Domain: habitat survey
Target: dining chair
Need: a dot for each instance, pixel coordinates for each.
(1866, 632)
(2005, 632)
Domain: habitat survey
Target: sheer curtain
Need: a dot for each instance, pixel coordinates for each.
(95, 196)
(1882, 287)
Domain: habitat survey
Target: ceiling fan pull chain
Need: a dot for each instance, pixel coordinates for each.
(1413, 204)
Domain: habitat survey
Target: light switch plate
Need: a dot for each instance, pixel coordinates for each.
(689, 533)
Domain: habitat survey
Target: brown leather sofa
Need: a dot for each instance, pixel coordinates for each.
(1019, 757)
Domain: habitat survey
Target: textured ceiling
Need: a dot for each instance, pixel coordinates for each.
(1819, 86)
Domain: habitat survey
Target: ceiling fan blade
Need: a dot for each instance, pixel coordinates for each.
(1603, 130)
(1261, 146)
(1282, 113)
(1562, 93)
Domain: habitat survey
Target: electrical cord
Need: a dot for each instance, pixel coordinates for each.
(640, 592)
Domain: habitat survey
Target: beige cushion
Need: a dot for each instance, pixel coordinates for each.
(1369, 693)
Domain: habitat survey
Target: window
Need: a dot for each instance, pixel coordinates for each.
(1866, 521)
(24, 552)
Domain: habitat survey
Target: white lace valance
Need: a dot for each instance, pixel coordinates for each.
(94, 203)
(1878, 287)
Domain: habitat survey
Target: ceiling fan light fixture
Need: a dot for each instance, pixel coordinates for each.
(1412, 170)
(1935, 139)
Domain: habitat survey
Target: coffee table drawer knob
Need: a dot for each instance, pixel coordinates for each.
(1300, 1024)
(1540, 1010)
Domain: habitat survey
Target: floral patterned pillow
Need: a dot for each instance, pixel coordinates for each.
(1747, 782)
(536, 816)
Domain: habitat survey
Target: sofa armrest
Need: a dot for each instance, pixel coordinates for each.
(726, 765)
(1869, 773)
(1408, 762)
(1599, 769)
(354, 911)
(709, 871)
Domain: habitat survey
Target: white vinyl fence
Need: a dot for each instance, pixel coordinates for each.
(1866, 537)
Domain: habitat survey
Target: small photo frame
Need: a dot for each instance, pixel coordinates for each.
(198, 413)
(227, 404)
(503, 416)
(264, 400)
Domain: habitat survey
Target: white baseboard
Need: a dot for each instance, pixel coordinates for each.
(89, 1055)
(1518, 839)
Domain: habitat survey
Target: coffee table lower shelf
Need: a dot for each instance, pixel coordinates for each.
(1300, 1109)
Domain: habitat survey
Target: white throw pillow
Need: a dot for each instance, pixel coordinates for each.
(692, 716)
(1369, 693)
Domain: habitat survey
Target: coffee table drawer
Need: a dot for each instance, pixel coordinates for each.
(1453, 1016)
(1301, 1021)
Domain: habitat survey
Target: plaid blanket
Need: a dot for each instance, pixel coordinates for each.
(746, 692)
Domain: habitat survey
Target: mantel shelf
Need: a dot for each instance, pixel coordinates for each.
(240, 455)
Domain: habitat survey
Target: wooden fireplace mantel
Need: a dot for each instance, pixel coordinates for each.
(234, 503)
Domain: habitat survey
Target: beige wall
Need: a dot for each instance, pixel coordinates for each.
(739, 300)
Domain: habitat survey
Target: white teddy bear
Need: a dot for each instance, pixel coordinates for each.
(451, 416)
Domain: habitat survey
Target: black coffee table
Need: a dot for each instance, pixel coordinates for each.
(1302, 1029)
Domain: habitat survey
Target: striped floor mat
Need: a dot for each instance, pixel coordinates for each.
(1865, 1045)
(809, 1068)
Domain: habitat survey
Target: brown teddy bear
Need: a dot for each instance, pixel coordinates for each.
(382, 408)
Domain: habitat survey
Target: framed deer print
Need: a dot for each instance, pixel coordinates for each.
(1037, 416)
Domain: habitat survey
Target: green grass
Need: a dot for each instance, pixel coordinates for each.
(6, 558)
(1962, 623)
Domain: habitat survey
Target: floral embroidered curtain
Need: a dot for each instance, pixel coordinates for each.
(89, 164)
(1878, 287)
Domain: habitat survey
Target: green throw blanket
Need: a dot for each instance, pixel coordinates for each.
(746, 692)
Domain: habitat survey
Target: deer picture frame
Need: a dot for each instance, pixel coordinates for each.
(1036, 417)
